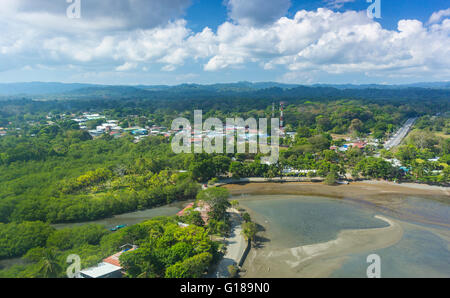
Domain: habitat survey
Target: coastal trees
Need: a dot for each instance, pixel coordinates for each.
(217, 198)
(246, 217)
(202, 171)
(193, 217)
(237, 169)
(176, 252)
(376, 168)
(48, 263)
(331, 178)
(142, 263)
(221, 164)
(193, 267)
(234, 203)
(205, 167)
(17, 238)
(249, 230)
(233, 271)
(73, 237)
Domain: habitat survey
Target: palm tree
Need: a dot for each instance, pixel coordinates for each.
(249, 230)
(48, 265)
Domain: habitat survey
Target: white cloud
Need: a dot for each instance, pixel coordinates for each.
(128, 13)
(437, 16)
(257, 12)
(337, 3)
(126, 66)
(310, 44)
(336, 43)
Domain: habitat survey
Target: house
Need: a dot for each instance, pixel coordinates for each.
(291, 134)
(140, 132)
(204, 209)
(114, 259)
(201, 206)
(395, 162)
(115, 134)
(110, 267)
(359, 144)
(102, 270)
(183, 212)
(343, 148)
(95, 133)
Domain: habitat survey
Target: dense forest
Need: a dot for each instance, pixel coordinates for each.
(166, 248)
(51, 171)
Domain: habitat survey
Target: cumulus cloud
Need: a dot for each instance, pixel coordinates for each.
(307, 45)
(437, 16)
(336, 43)
(257, 12)
(128, 13)
(126, 66)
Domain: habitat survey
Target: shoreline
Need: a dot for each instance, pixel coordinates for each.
(356, 188)
(320, 259)
(236, 246)
(305, 180)
(382, 197)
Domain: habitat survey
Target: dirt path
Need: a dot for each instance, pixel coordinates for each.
(236, 246)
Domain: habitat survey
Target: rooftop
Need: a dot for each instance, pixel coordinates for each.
(100, 270)
(114, 259)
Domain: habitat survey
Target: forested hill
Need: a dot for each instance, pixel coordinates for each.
(240, 90)
(227, 98)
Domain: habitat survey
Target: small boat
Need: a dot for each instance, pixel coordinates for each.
(116, 228)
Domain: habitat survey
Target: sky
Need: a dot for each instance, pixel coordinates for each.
(152, 42)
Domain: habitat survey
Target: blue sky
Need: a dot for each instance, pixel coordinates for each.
(210, 41)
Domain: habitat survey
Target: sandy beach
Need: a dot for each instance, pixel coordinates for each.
(385, 197)
(354, 189)
(322, 259)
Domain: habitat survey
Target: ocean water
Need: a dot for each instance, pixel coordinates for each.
(418, 254)
(292, 221)
(301, 220)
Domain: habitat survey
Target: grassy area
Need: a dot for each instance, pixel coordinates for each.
(442, 135)
(340, 136)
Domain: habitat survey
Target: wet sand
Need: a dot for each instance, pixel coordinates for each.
(384, 197)
(320, 259)
(354, 189)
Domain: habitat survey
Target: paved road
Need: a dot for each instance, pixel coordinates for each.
(400, 134)
(236, 246)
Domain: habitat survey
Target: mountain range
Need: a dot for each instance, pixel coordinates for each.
(68, 89)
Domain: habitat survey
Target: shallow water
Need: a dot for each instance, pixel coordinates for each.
(303, 220)
(420, 253)
(131, 218)
(292, 221)
(128, 219)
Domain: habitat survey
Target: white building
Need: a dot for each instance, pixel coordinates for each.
(102, 270)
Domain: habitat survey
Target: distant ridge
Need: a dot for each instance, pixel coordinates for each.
(37, 88)
(54, 88)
